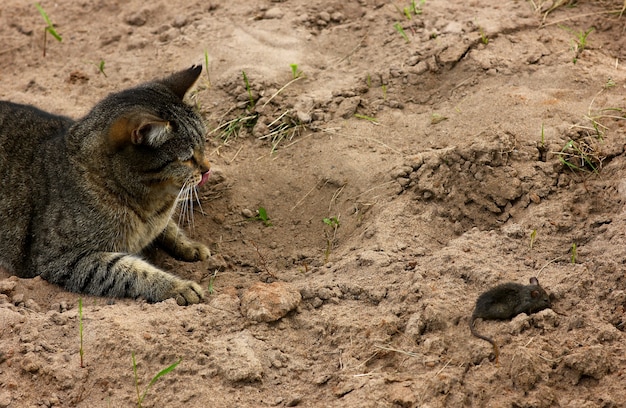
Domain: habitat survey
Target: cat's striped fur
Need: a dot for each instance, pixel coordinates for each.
(79, 200)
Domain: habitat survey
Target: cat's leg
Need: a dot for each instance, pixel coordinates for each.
(116, 274)
(175, 242)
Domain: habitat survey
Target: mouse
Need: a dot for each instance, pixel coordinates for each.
(506, 301)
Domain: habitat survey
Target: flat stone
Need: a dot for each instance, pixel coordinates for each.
(264, 302)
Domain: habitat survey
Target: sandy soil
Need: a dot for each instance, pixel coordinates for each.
(430, 154)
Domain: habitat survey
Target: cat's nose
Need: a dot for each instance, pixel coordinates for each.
(205, 166)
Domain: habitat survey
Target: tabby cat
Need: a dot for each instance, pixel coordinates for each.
(79, 200)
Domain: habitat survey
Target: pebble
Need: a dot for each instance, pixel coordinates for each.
(264, 302)
(273, 13)
(7, 286)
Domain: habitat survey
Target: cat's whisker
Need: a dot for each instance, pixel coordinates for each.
(197, 199)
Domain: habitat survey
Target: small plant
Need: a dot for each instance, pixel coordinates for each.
(333, 224)
(210, 288)
(579, 155)
(263, 217)
(580, 42)
(48, 29)
(206, 66)
(400, 30)
(384, 89)
(533, 237)
(483, 36)
(248, 89)
(573, 253)
(141, 397)
(610, 83)
(101, 68)
(370, 118)
(415, 8)
(294, 71)
(80, 331)
(412, 9)
(436, 118)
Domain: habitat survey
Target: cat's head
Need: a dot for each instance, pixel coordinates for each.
(151, 141)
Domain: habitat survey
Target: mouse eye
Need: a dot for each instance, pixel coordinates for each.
(534, 294)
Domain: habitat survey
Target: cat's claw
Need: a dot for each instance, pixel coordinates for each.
(196, 252)
(187, 293)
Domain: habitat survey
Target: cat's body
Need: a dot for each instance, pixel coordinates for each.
(80, 199)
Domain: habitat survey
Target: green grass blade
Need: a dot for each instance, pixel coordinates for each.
(159, 375)
(43, 14)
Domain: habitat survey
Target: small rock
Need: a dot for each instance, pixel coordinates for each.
(273, 13)
(337, 17)
(324, 16)
(347, 107)
(236, 359)
(29, 363)
(137, 19)
(180, 21)
(246, 212)
(32, 305)
(303, 117)
(18, 299)
(7, 286)
(269, 302)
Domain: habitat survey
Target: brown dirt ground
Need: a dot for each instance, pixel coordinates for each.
(437, 201)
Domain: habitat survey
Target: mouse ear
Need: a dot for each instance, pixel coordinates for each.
(534, 281)
(534, 294)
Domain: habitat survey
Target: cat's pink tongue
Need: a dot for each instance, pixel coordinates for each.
(205, 177)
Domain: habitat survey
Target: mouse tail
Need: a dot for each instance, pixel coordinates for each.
(496, 349)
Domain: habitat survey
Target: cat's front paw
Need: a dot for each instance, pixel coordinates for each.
(187, 293)
(195, 252)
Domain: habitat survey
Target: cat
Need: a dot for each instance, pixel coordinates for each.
(80, 200)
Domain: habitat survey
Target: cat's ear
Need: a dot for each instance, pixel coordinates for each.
(181, 81)
(139, 128)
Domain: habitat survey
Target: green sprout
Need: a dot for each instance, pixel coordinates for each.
(414, 7)
(101, 68)
(370, 118)
(48, 29)
(533, 237)
(141, 397)
(573, 253)
(210, 288)
(483, 36)
(206, 64)
(436, 118)
(263, 217)
(580, 42)
(294, 71)
(579, 151)
(333, 224)
(400, 30)
(248, 89)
